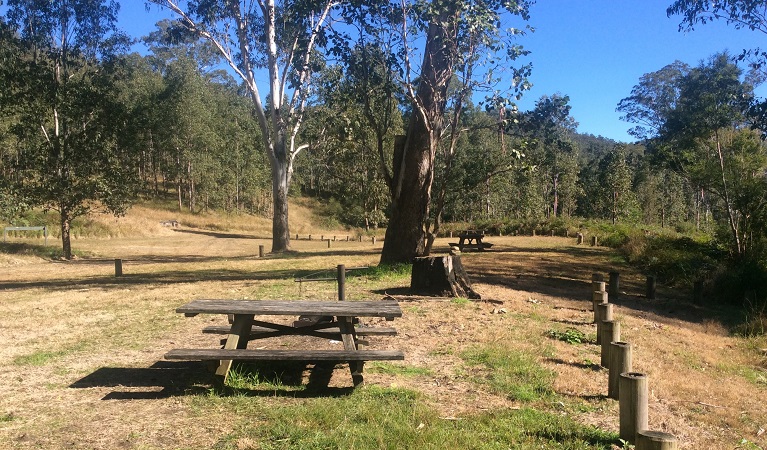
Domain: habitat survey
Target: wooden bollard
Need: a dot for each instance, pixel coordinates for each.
(596, 298)
(341, 277)
(611, 332)
(360, 238)
(296, 236)
(697, 292)
(593, 241)
(328, 243)
(632, 403)
(347, 238)
(260, 251)
(322, 237)
(310, 237)
(604, 312)
(451, 234)
(118, 267)
(334, 238)
(579, 238)
(552, 233)
(655, 440)
(615, 284)
(374, 240)
(597, 277)
(620, 362)
(650, 292)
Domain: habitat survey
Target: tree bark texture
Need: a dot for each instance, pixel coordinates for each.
(443, 275)
(413, 162)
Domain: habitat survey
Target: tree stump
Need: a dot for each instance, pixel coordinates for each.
(441, 275)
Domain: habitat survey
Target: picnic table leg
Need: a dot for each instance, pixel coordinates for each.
(238, 338)
(346, 326)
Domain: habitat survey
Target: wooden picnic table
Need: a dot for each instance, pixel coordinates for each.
(471, 239)
(245, 327)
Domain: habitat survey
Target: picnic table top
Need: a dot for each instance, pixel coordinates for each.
(471, 233)
(379, 308)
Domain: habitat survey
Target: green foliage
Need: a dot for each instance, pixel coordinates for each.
(58, 95)
(572, 336)
(509, 372)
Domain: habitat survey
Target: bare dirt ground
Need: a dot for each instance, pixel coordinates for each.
(81, 362)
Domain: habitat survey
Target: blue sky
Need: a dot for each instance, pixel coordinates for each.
(596, 50)
(592, 50)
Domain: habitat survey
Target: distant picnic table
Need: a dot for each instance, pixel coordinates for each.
(471, 240)
(244, 328)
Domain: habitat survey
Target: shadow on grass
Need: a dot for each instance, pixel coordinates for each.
(166, 379)
(162, 380)
(592, 366)
(164, 277)
(565, 272)
(169, 277)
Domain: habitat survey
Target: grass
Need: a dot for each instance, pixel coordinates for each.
(39, 358)
(510, 372)
(374, 417)
(571, 336)
(506, 394)
(398, 369)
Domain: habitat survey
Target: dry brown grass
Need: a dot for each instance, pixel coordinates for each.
(82, 361)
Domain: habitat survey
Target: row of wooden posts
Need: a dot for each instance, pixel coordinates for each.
(261, 251)
(624, 385)
(336, 238)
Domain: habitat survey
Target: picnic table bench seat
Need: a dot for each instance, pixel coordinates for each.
(257, 331)
(205, 354)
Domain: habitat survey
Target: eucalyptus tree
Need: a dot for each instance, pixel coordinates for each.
(652, 100)
(704, 138)
(60, 91)
(455, 34)
(283, 39)
(346, 134)
(741, 14)
(555, 154)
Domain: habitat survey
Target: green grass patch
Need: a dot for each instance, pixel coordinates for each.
(7, 417)
(39, 358)
(571, 336)
(510, 372)
(397, 369)
(384, 272)
(373, 417)
(43, 357)
(461, 301)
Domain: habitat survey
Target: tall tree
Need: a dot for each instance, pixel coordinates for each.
(742, 14)
(281, 38)
(700, 135)
(60, 91)
(652, 100)
(448, 27)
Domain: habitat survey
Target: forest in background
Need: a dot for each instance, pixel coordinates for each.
(688, 199)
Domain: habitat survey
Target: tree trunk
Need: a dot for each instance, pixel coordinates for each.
(413, 172)
(280, 228)
(66, 242)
